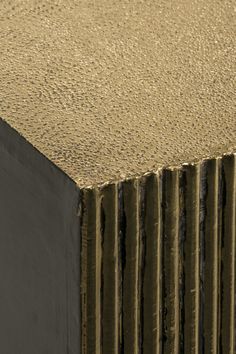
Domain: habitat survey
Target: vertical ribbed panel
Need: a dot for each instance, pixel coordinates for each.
(171, 261)
(227, 327)
(152, 326)
(191, 261)
(211, 249)
(131, 294)
(158, 262)
(91, 272)
(110, 285)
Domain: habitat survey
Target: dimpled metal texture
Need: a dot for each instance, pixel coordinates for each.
(111, 89)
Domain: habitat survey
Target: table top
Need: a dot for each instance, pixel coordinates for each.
(111, 89)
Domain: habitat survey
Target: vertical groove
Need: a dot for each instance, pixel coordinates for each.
(228, 255)
(110, 298)
(171, 261)
(152, 272)
(182, 236)
(191, 259)
(202, 216)
(131, 271)
(220, 240)
(91, 261)
(83, 272)
(142, 261)
(211, 258)
(121, 263)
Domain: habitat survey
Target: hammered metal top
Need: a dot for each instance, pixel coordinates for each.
(110, 89)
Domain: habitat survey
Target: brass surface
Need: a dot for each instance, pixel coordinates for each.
(111, 89)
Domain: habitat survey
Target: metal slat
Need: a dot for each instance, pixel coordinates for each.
(211, 242)
(191, 262)
(131, 270)
(171, 315)
(152, 328)
(91, 272)
(110, 285)
(228, 255)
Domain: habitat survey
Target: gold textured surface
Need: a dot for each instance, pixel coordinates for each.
(110, 89)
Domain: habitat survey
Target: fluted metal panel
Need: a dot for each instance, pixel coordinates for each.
(158, 262)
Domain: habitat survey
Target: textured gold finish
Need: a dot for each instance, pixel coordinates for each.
(135, 101)
(109, 89)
